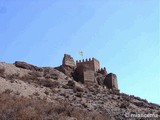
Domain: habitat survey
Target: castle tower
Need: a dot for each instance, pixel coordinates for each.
(86, 69)
(84, 73)
(111, 81)
(93, 64)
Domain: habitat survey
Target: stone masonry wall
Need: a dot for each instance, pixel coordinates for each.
(96, 64)
(89, 76)
(92, 63)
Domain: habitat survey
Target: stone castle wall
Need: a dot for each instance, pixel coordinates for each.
(85, 71)
(96, 64)
(92, 63)
(89, 76)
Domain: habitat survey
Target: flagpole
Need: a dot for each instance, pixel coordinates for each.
(81, 54)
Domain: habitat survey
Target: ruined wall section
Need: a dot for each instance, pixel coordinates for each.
(103, 71)
(68, 60)
(115, 83)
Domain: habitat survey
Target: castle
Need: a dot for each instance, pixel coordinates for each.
(86, 71)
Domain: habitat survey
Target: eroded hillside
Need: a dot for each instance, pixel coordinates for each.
(30, 92)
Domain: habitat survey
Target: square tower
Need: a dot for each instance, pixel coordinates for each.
(93, 64)
(86, 69)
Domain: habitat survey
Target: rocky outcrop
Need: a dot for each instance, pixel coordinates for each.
(27, 66)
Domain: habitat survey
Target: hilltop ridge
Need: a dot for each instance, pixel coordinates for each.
(65, 92)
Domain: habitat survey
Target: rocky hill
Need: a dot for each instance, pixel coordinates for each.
(28, 92)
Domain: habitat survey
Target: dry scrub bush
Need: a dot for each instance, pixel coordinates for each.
(36, 74)
(69, 85)
(28, 113)
(33, 78)
(7, 91)
(20, 108)
(49, 83)
(2, 72)
(10, 77)
(28, 78)
(51, 76)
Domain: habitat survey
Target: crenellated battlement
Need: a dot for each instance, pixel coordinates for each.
(102, 71)
(92, 63)
(86, 60)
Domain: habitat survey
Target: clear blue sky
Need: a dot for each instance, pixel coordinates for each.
(122, 34)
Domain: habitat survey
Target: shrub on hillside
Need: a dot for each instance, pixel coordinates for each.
(49, 83)
(20, 108)
(2, 72)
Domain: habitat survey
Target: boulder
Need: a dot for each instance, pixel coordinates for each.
(27, 66)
